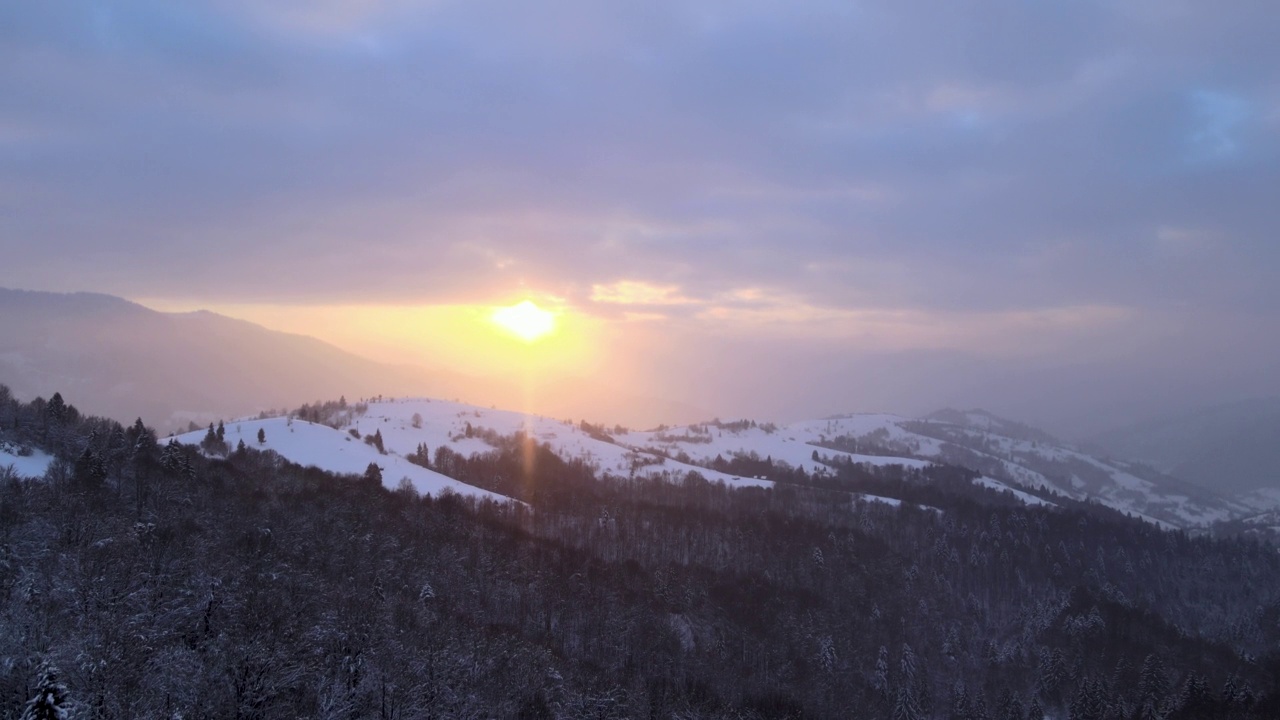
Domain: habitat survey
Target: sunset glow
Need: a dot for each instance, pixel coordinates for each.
(525, 321)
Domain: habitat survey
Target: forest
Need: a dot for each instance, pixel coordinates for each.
(144, 579)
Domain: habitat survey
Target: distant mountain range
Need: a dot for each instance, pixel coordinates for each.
(1231, 448)
(1005, 455)
(1008, 455)
(123, 360)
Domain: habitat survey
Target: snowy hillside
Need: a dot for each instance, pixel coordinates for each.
(25, 464)
(1008, 455)
(445, 424)
(312, 444)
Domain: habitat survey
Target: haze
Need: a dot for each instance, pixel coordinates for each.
(1062, 212)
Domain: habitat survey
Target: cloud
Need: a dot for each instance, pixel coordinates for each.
(872, 165)
(632, 292)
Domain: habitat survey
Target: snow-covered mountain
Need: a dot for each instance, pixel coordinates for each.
(439, 424)
(1010, 456)
(403, 425)
(1231, 448)
(123, 360)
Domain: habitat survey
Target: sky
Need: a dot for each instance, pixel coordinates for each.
(1057, 209)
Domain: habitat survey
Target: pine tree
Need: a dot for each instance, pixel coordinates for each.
(421, 456)
(143, 439)
(262, 435)
(906, 707)
(907, 665)
(880, 680)
(50, 701)
(960, 709)
(1153, 685)
(56, 408)
(89, 470)
(1152, 682)
(170, 457)
(210, 442)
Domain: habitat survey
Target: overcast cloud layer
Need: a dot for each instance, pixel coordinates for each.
(978, 174)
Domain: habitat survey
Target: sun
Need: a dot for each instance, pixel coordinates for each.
(525, 320)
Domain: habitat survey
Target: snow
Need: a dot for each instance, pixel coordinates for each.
(1010, 463)
(29, 466)
(1022, 462)
(444, 424)
(792, 444)
(310, 444)
(1263, 499)
(1026, 497)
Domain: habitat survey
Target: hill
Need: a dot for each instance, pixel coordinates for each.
(124, 360)
(242, 584)
(1006, 453)
(1002, 455)
(1232, 448)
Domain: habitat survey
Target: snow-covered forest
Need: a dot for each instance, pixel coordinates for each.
(139, 579)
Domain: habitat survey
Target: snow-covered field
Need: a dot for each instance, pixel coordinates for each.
(1016, 464)
(444, 424)
(310, 444)
(1024, 496)
(1010, 456)
(793, 444)
(24, 466)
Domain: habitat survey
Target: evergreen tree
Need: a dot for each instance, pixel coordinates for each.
(210, 442)
(143, 439)
(905, 706)
(1153, 685)
(89, 470)
(56, 409)
(1152, 682)
(880, 680)
(262, 435)
(50, 701)
(907, 665)
(421, 456)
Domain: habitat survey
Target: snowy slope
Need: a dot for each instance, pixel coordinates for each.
(1010, 455)
(1015, 453)
(1022, 495)
(1262, 500)
(33, 465)
(310, 444)
(444, 423)
(792, 444)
